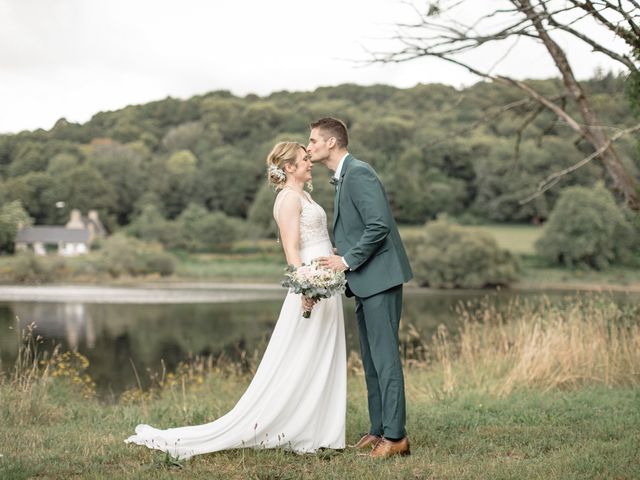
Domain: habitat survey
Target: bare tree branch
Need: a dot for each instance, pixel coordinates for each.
(588, 6)
(624, 181)
(506, 54)
(554, 178)
(446, 38)
(621, 10)
(561, 113)
(635, 4)
(553, 122)
(595, 45)
(527, 121)
(486, 118)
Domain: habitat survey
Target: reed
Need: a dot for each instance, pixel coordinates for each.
(591, 341)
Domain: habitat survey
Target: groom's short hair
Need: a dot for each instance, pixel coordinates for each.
(335, 128)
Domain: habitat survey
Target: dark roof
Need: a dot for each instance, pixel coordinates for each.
(52, 235)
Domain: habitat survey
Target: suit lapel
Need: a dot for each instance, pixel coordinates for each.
(336, 201)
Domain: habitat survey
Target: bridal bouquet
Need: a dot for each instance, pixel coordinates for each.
(313, 282)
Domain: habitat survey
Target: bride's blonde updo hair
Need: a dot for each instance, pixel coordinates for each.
(282, 154)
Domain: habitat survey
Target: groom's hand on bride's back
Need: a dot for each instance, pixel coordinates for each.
(333, 262)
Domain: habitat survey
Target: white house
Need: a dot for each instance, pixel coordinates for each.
(75, 238)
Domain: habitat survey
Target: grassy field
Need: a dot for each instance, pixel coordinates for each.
(255, 267)
(549, 393)
(518, 239)
(589, 433)
(263, 261)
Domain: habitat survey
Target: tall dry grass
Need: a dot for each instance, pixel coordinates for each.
(589, 341)
(35, 369)
(30, 364)
(25, 386)
(542, 346)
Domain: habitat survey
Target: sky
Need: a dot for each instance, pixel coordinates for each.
(73, 58)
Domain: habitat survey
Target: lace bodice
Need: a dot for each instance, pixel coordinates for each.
(313, 218)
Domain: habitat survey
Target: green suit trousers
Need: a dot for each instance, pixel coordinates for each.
(378, 319)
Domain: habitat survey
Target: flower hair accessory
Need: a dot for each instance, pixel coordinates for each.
(277, 173)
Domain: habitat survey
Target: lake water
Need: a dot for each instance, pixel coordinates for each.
(196, 321)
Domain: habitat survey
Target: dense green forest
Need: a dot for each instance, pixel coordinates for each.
(438, 150)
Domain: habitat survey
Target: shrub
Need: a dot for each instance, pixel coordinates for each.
(418, 197)
(450, 256)
(151, 226)
(121, 255)
(261, 213)
(194, 230)
(586, 229)
(633, 217)
(11, 216)
(201, 230)
(29, 268)
(157, 261)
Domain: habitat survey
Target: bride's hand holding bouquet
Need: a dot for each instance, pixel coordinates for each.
(314, 283)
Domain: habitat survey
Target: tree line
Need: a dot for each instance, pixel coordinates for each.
(439, 150)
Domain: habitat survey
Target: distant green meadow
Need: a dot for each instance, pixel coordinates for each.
(263, 260)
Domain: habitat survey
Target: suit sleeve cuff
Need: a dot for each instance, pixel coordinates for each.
(345, 263)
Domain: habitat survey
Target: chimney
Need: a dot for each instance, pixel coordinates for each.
(75, 221)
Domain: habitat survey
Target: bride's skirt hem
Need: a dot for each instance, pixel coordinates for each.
(182, 455)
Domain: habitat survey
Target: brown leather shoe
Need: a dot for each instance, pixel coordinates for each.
(367, 441)
(386, 448)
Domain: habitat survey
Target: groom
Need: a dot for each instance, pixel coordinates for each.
(376, 265)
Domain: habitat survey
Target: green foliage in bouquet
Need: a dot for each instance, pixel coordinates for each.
(313, 282)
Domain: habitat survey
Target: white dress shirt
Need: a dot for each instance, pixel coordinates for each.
(336, 174)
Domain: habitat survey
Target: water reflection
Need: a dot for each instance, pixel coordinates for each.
(113, 337)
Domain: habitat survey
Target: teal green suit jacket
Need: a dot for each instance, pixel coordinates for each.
(366, 233)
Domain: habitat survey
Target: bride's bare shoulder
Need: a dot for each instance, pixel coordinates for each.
(287, 202)
(287, 195)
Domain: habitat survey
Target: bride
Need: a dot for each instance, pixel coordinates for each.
(297, 398)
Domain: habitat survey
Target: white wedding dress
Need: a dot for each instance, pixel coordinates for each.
(297, 398)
